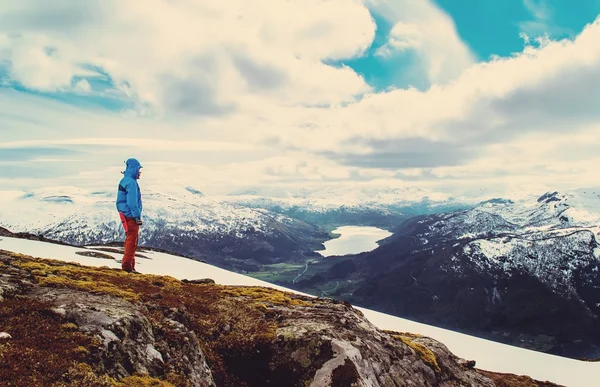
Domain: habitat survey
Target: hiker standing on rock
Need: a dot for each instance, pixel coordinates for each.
(129, 205)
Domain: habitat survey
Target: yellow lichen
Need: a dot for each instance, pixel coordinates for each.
(31, 265)
(96, 341)
(424, 353)
(142, 381)
(69, 326)
(264, 295)
(81, 351)
(397, 334)
(90, 286)
(81, 374)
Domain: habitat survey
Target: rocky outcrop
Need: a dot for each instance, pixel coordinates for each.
(72, 325)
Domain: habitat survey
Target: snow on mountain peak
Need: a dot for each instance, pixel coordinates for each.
(66, 212)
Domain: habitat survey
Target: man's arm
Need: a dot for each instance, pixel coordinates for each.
(132, 200)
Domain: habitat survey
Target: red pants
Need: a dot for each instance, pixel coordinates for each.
(131, 241)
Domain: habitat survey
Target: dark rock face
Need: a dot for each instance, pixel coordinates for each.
(357, 352)
(103, 327)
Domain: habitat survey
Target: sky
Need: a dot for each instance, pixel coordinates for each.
(221, 96)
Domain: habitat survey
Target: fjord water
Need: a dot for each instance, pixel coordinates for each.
(354, 240)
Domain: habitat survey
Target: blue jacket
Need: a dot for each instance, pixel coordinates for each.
(129, 197)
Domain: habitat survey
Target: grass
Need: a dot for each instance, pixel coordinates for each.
(278, 272)
(44, 348)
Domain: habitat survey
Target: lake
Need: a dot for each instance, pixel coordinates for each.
(354, 240)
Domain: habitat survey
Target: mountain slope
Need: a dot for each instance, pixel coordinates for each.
(111, 328)
(489, 355)
(525, 273)
(183, 221)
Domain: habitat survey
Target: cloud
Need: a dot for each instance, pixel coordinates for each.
(191, 57)
(543, 21)
(544, 92)
(423, 29)
(36, 66)
(406, 153)
(29, 154)
(83, 87)
(401, 38)
(540, 9)
(255, 105)
(34, 146)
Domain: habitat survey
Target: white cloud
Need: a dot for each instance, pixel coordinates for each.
(422, 27)
(526, 119)
(540, 9)
(137, 143)
(35, 66)
(190, 56)
(83, 87)
(542, 23)
(403, 36)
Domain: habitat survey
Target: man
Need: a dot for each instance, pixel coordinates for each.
(129, 205)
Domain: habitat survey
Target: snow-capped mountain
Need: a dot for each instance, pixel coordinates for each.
(384, 207)
(550, 238)
(182, 220)
(525, 272)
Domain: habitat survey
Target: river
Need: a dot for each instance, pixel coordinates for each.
(354, 240)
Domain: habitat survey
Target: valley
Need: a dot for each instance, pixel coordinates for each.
(522, 272)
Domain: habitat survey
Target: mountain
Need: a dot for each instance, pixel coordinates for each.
(68, 324)
(181, 220)
(524, 272)
(332, 207)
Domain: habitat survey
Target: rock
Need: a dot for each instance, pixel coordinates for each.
(60, 311)
(107, 329)
(351, 351)
(10, 286)
(5, 336)
(466, 363)
(128, 335)
(203, 281)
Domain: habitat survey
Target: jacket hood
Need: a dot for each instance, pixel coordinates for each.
(133, 168)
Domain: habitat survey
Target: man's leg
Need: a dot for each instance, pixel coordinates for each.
(135, 244)
(131, 241)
